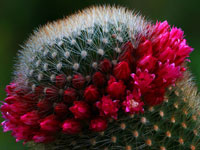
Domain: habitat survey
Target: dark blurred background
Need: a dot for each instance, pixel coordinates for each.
(18, 18)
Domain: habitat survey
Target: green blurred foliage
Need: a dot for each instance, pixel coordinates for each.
(18, 18)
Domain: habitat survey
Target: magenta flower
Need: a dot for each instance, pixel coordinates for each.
(108, 107)
(71, 126)
(116, 89)
(80, 109)
(42, 137)
(143, 79)
(132, 105)
(30, 118)
(122, 71)
(76, 87)
(50, 124)
(98, 124)
(91, 94)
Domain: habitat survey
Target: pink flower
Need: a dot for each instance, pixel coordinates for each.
(60, 80)
(98, 79)
(108, 107)
(20, 107)
(61, 109)
(69, 95)
(132, 105)
(98, 124)
(116, 89)
(144, 48)
(161, 43)
(147, 62)
(167, 54)
(91, 94)
(12, 99)
(122, 71)
(9, 114)
(183, 52)
(81, 110)
(78, 81)
(44, 105)
(160, 28)
(128, 46)
(167, 74)
(38, 90)
(50, 124)
(176, 33)
(5, 108)
(169, 44)
(23, 132)
(128, 54)
(10, 88)
(51, 93)
(30, 118)
(143, 79)
(35, 113)
(41, 137)
(71, 126)
(8, 126)
(105, 66)
(154, 96)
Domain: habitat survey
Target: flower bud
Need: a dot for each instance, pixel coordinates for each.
(60, 109)
(105, 66)
(78, 81)
(69, 95)
(91, 94)
(30, 118)
(122, 71)
(98, 79)
(71, 126)
(98, 124)
(80, 110)
(50, 124)
(116, 89)
(60, 80)
(42, 138)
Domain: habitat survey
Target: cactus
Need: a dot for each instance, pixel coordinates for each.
(104, 78)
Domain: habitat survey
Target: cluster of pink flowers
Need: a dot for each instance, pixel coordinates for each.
(139, 78)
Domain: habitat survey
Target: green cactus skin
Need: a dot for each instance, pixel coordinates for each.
(172, 125)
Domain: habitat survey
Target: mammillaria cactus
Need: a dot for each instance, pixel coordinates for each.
(104, 78)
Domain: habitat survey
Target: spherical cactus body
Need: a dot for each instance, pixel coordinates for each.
(104, 78)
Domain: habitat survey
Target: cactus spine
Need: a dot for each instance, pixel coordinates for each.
(104, 78)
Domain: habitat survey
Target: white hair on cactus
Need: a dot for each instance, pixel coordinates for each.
(100, 52)
(119, 38)
(67, 54)
(54, 54)
(45, 52)
(31, 72)
(59, 66)
(105, 40)
(76, 66)
(60, 43)
(89, 41)
(45, 67)
(73, 41)
(38, 63)
(118, 50)
(83, 54)
(51, 39)
(40, 76)
(52, 77)
(94, 65)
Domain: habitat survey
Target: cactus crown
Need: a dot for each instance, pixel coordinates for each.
(100, 79)
(78, 43)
